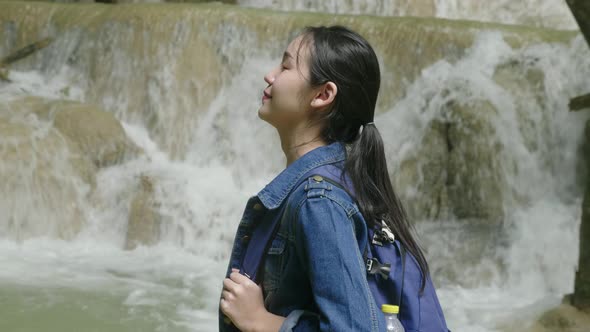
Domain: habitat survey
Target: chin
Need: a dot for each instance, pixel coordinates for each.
(264, 116)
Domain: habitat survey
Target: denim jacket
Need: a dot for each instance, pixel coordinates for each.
(313, 272)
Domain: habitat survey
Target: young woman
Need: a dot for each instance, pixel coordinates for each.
(321, 99)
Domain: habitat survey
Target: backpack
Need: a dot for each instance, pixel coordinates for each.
(393, 274)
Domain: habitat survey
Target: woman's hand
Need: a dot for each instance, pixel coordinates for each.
(242, 302)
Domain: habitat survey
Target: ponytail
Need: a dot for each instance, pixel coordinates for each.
(367, 167)
(343, 57)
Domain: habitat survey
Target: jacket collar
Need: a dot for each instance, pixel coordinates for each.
(273, 195)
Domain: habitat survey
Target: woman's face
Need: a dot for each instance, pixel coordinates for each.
(286, 101)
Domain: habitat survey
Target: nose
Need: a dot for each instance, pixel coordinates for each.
(270, 77)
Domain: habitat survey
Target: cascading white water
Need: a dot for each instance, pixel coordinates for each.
(540, 245)
(174, 286)
(544, 13)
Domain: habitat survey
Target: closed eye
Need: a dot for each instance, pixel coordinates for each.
(285, 61)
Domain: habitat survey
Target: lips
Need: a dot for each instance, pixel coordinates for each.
(266, 96)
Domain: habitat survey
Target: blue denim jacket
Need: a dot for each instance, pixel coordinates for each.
(314, 274)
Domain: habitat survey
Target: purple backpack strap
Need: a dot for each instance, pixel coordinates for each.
(334, 175)
(266, 230)
(258, 244)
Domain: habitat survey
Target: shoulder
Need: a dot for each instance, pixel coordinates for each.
(316, 193)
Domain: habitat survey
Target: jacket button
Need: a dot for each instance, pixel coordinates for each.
(257, 207)
(245, 239)
(318, 178)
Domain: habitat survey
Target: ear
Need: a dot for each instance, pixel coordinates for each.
(324, 96)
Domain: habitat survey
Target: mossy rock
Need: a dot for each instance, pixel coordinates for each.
(98, 134)
(564, 318)
(475, 180)
(51, 151)
(456, 171)
(44, 180)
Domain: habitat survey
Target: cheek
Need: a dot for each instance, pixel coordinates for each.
(279, 87)
(281, 94)
(289, 94)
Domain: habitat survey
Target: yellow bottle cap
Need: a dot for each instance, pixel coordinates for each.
(390, 309)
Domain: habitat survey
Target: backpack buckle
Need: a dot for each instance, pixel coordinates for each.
(388, 234)
(375, 267)
(369, 265)
(377, 239)
(384, 235)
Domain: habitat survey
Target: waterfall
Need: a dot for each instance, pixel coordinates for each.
(480, 144)
(540, 13)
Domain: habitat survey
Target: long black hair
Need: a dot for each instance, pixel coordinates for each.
(341, 56)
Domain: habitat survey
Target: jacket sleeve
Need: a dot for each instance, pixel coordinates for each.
(333, 262)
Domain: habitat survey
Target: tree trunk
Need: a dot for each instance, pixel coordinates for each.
(581, 11)
(581, 297)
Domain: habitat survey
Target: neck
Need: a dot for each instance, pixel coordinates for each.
(299, 141)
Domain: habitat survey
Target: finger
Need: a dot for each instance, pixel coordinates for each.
(227, 296)
(229, 285)
(224, 306)
(235, 270)
(239, 279)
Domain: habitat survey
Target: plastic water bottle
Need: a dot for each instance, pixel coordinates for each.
(392, 323)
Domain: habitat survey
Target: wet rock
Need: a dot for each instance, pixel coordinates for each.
(422, 178)
(144, 220)
(4, 74)
(456, 170)
(456, 175)
(522, 76)
(98, 133)
(50, 152)
(564, 318)
(475, 180)
(43, 181)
